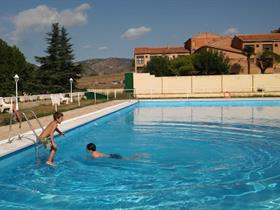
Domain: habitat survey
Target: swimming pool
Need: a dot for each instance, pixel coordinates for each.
(190, 155)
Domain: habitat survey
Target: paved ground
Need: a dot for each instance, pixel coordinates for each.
(4, 130)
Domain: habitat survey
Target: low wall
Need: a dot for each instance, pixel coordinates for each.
(149, 86)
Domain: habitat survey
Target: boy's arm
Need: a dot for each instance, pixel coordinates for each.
(59, 131)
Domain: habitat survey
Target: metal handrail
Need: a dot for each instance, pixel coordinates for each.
(38, 121)
(28, 122)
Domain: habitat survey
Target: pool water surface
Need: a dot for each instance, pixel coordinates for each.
(178, 156)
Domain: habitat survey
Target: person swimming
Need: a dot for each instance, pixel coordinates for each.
(91, 148)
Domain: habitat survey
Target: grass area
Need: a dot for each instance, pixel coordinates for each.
(45, 110)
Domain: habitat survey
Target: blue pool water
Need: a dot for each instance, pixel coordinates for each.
(198, 155)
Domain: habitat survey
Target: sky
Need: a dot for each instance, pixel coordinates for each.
(113, 28)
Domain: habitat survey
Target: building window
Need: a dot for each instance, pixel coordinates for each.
(140, 59)
(250, 45)
(276, 45)
(267, 47)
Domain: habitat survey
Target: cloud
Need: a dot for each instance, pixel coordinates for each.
(231, 31)
(87, 46)
(103, 48)
(40, 17)
(134, 33)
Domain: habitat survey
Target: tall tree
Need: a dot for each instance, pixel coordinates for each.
(67, 67)
(57, 67)
(248, 51)
(50, 64)
(208, 62)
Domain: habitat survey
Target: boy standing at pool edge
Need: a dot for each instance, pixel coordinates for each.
(47, 136)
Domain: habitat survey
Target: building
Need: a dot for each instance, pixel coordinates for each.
(143, 55)
(232, 48)
(229, 46)
(200, 40)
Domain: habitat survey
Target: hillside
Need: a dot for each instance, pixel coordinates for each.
(104, 73)
(94, 67)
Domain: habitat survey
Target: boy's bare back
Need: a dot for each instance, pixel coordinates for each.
(49, 130)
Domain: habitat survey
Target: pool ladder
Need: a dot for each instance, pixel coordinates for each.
(20, 136)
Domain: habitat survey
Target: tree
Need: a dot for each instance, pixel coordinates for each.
(248, 51)
(182, 66)
(50, 63)
(67, 68)
(266, 60)
(57, 67)
(211, 62)
(13, 62)
(159, 66)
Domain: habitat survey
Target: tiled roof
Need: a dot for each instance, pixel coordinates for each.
(259, 37)
(161, 50)
(224, 43)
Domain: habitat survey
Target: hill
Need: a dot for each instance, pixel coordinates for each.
(94, 67)
(104, 73)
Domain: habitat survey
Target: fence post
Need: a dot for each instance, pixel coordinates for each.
(79, 103)
(115, 92)
(94, 97)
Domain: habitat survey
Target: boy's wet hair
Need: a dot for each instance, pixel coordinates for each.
(91, 147)
(57, 115)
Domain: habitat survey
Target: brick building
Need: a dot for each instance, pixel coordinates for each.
(229, 46)
(143, 55)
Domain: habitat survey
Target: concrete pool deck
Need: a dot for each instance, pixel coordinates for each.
(72, 119)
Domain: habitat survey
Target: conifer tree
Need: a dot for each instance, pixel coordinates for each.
(67, 67)
(57, 67)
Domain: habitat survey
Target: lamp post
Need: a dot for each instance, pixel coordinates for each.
(16, 77)
(71, 96)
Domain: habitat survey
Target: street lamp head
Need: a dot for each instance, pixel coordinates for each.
(16, 77)
(71, 80)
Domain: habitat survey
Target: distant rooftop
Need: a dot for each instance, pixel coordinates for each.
(259, 37)
(160, 50)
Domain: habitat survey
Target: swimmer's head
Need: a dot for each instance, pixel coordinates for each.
(91, 147)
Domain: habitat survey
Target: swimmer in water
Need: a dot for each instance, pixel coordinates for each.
(91, 148)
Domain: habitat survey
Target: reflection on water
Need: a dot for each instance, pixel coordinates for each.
(266, 116)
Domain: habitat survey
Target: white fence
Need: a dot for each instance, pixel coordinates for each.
(42, 97)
